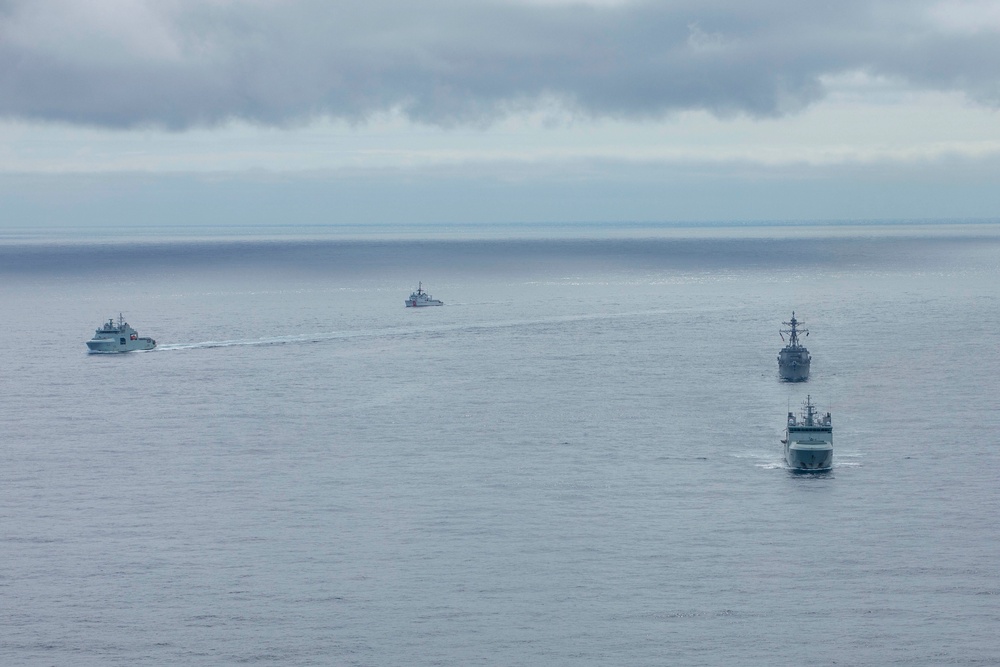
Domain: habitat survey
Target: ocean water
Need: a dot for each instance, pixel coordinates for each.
(575, 461)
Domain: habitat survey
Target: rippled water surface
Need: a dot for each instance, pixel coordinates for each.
(575, 461)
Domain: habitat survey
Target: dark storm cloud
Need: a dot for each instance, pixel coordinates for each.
(179, 64)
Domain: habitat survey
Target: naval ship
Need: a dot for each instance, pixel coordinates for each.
(120, 337)
(421, 298)
(809, 440)
(793, 359)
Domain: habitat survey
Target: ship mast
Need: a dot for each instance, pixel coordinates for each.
(793, 331)
(810, 411)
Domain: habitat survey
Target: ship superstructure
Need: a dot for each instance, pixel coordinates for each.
(794, 358)
(809, 439)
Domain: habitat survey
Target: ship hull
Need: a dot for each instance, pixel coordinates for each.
(115, 346)
(418, 304)
(808, 458)
(794, 372)
(793, 367)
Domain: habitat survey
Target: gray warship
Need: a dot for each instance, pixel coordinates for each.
(809, 440)
(793, 359)
(111, 338)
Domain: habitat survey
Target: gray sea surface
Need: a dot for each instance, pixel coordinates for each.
(574, 461)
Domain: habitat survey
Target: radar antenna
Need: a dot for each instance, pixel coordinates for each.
(793, 331)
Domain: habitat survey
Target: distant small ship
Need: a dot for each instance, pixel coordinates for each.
(120, 337)
(793, 359)
(809, 440)
(421, 298)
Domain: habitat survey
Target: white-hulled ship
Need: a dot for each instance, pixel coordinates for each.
(793, 359)
(809, 440)
(421, 298)
(120, 337)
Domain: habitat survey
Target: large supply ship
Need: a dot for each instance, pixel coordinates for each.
(809, 439)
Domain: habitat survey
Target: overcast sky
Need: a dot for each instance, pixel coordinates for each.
(394, 111)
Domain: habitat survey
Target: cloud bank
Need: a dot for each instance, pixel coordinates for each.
(179, 64)
(499, 194)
